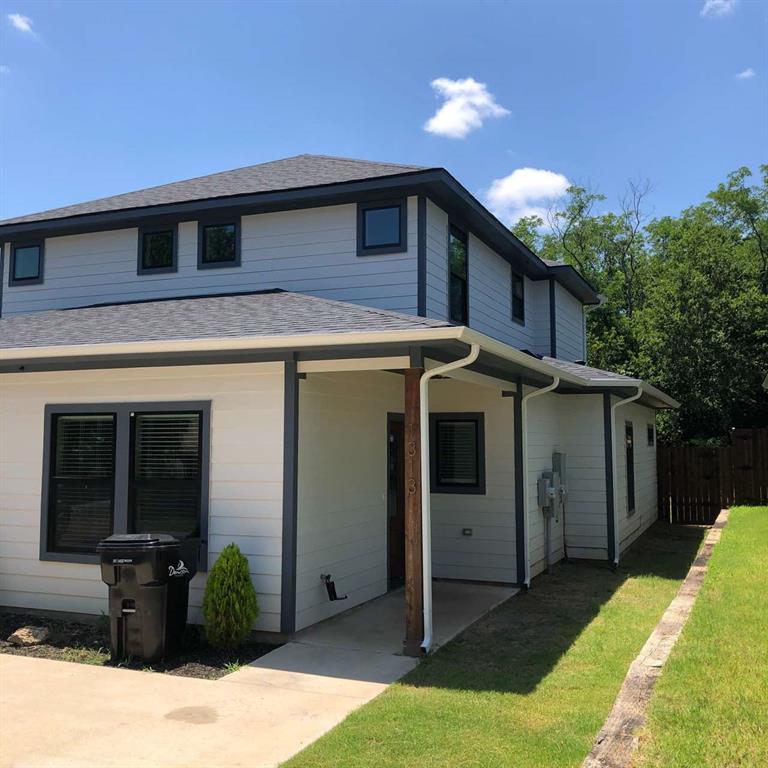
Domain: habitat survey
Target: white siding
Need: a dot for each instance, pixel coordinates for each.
(490, 298)
(573, 425)
(489, 554)
(437, 262)
(311, 251)
(646, 500)
(570, 325)
(342, 504)
(246, 476)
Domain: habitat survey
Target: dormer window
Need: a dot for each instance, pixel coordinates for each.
(26, 264)
(381, 228)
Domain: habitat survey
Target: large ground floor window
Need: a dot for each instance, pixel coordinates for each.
(123, 468)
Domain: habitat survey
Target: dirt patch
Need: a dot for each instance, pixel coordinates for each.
(88, 643)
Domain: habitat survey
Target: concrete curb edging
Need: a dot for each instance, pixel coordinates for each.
(617, 740)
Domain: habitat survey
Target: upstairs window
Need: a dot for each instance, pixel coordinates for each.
(381, 228)
(26, 264)
(458, 453)
(518, 298)
(458, 292)
(218, 245)
(157, 250)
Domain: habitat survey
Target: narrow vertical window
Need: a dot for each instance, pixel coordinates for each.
(164, 489)
(82, 481)
(629, 444)
(458, 288)
(651, 435)
(518, 298)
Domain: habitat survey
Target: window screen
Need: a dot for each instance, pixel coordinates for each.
(457, 453)
(82, 481)
(165, 473)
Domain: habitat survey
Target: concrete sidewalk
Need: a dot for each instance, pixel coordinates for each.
(56, 714)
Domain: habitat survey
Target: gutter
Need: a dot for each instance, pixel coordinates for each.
(524, 411)
(426, 500)
(614, 406)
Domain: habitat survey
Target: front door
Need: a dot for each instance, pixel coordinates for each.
(395, 502)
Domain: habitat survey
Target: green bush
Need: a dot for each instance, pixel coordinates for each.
(229, 604)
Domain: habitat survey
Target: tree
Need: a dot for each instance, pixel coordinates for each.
(686, 297)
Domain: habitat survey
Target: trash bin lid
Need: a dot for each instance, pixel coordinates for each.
(138, 541)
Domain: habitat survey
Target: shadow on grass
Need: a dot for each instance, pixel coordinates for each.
(515, 646)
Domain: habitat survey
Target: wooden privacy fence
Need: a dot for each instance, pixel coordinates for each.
(695, 483)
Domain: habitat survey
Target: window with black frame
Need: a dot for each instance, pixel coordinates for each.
(165, 473)
(82, 481)
(629, 444)
(123, 469)
(457, 452)
(518, 298)
(157, 250)
(458, 289)
(218, 245)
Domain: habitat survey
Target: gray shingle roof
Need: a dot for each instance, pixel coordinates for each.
(586, 372)
(289, 173)
(207, 317)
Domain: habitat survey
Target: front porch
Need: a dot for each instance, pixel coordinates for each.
(378, 625)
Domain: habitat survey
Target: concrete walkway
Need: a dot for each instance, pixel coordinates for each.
(56, 714)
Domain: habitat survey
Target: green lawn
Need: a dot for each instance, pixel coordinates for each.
(710, 706)
(528, 685)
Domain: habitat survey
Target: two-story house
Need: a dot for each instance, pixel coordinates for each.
(345, 367)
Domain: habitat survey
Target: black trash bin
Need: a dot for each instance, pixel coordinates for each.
(148, 575)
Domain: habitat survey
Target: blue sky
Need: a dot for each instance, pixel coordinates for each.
(103, 98)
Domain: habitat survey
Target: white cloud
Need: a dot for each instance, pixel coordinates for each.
(526, 192)
(4, 69)
(715, 8)
(746, 74)
(467, 104)
(22, 23)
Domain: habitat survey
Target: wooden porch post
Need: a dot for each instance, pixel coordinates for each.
(414, 615)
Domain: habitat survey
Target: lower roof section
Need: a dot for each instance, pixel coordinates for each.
(276, 325)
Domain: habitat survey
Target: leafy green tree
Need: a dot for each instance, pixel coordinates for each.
(685, 298)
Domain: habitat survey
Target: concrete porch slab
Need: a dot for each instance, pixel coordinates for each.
(379, 625)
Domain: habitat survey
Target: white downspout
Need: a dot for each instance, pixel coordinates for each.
(426, 511)
(614, 406)
(524, 414)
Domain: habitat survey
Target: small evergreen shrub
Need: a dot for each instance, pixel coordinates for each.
(229, 603)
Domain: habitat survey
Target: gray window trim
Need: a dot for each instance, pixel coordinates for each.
(122, 413)
(515, 275)
(149, 230)
(214, 221)
(12, 267)
(401, 246)
(478, 418)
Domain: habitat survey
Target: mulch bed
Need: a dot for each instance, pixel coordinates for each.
(88, 643)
